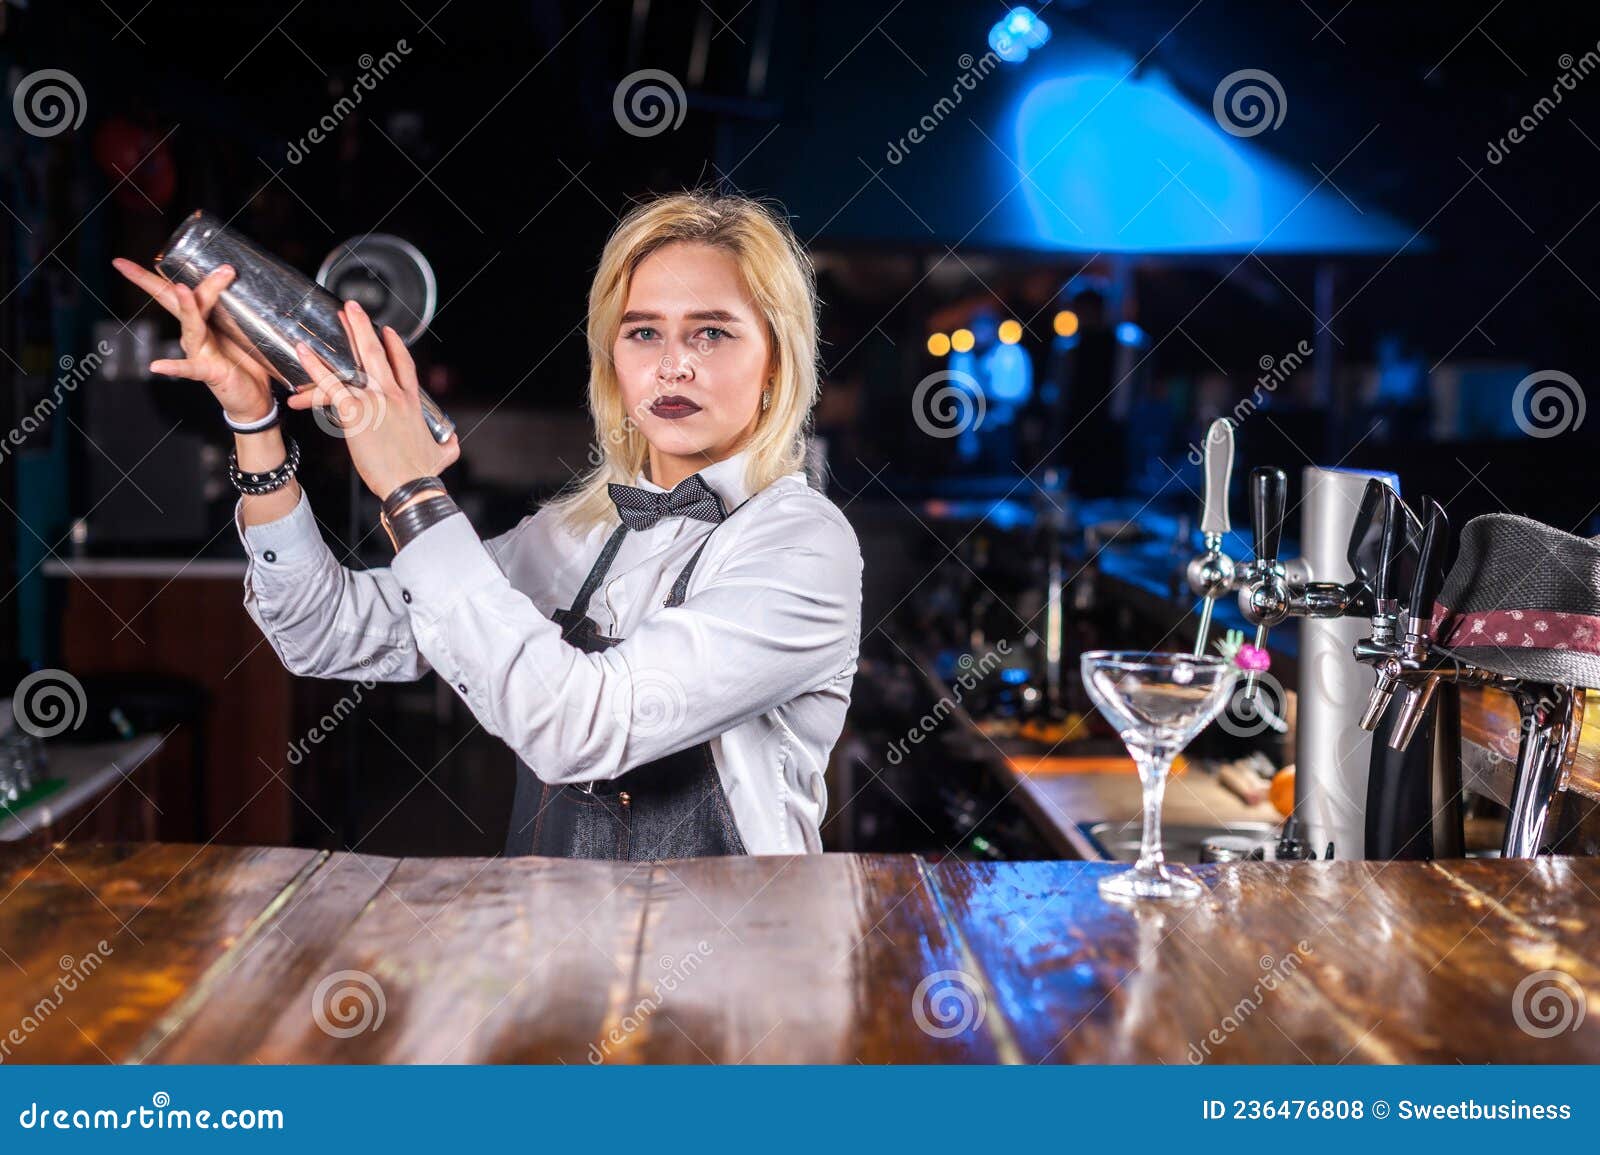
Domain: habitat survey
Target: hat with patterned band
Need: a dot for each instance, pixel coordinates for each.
(1523, 600)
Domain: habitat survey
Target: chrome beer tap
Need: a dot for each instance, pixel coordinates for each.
(1413, 791)
(1397, 542)
(1551, 715)
(1416, 657)
(1409, 661)
(1271, 591)
(1212, 573)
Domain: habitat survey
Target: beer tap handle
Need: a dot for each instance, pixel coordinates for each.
(1219, 471)
(1366, 535)
(1392, 542)
(1269, 495)
(1429, 578)
(1269, 498)
(1425, 589)
(1214, 523)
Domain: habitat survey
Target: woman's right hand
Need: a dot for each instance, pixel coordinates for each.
(240, 385)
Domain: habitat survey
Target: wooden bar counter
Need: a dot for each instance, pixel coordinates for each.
(239, 955)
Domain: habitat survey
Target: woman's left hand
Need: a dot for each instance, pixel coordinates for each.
(382, 424)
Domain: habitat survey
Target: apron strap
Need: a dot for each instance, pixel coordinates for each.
(680, 588)
(597, 572)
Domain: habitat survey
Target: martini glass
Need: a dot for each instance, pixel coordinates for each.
(1158, 703)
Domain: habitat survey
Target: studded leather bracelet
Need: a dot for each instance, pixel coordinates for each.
(267, 481)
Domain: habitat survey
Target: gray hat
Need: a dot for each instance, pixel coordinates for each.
(1523, 600)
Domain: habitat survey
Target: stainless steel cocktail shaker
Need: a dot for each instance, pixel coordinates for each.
(270, 306)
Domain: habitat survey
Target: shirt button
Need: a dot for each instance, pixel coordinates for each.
(462, 686)
(405, 596)
(269, 556)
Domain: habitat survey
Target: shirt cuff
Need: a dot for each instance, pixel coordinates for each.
(441, 565)
(292, 538)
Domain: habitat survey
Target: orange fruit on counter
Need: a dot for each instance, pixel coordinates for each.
(1281, 792)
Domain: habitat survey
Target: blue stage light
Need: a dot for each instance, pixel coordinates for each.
(1006, 46)
(1026, 26)
(1020, 31)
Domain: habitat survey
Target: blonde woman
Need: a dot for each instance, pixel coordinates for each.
(669, 647)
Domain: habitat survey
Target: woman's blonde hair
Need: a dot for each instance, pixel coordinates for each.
(777, 273)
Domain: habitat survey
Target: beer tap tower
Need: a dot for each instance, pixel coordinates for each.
(1337, 586)
(1392, 797)
(1336, 761)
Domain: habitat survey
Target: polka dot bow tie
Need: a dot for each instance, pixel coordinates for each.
(642, 508)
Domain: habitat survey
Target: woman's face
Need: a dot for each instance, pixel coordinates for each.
(692, 354)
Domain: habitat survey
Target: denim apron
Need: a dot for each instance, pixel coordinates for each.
(672, 807)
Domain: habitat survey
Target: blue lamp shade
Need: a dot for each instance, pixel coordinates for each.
(1113, 164)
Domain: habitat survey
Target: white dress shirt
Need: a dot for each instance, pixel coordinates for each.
(758, 660)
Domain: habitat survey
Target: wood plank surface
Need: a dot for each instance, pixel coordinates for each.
(451, 960)
(817, 958)
(289, 948)
(132, 927)
(1306, 962)
(230, 954)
